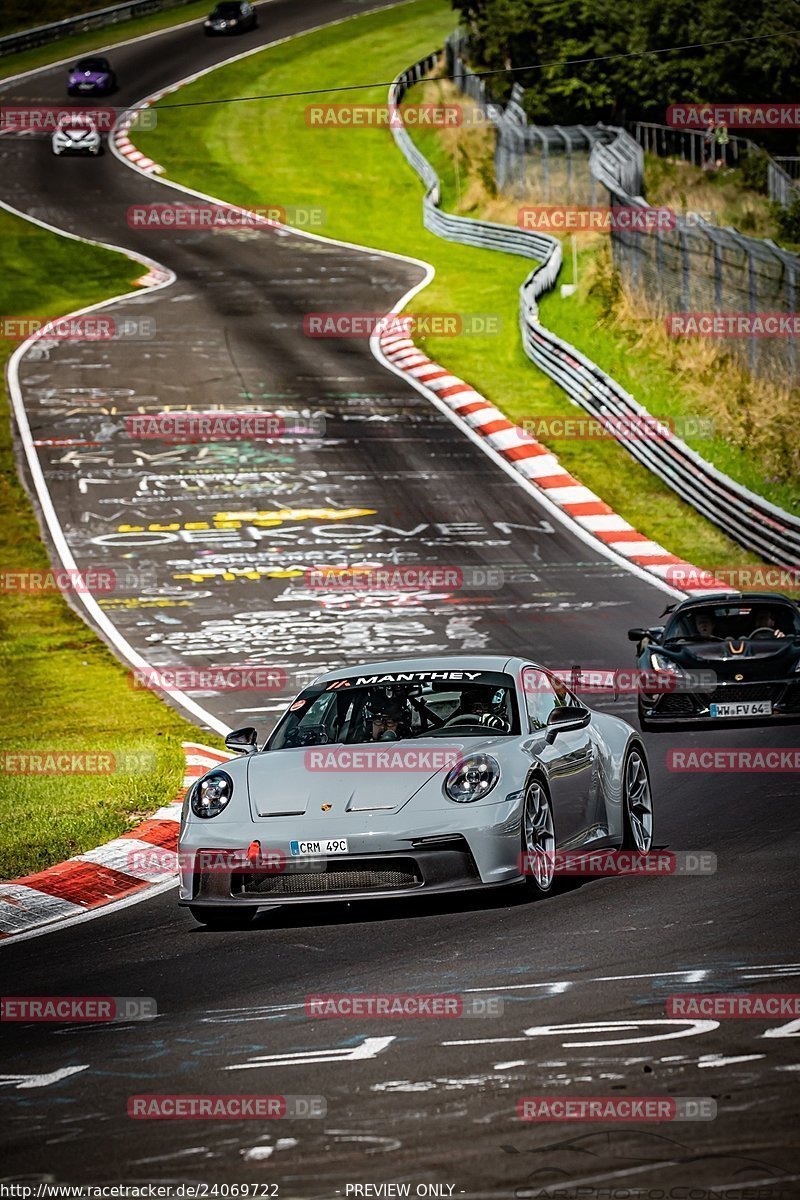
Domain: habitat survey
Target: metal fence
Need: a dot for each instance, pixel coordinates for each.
(42, 34)
(696, 268)
(747, 518)
(692, 147)
(693, 268)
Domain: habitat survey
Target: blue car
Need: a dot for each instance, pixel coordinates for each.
(91, 77)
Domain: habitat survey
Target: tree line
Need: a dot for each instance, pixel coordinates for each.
(623, 83)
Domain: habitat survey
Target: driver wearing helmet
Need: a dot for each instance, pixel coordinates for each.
(389, 719)
(476, 701)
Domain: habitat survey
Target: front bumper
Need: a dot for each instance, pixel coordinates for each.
(446, 865)
(681, 708)
(75, 148)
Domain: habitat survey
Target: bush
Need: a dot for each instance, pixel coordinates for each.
(789, 221)
(754, 171)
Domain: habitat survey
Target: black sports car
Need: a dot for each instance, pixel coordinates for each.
(729, 658)
(231, 16)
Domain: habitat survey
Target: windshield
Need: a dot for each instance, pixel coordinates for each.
(720, 622)
(226, 10)
(92, 64)
(354, 710)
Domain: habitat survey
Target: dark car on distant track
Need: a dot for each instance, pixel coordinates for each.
(232, 16)
(91, 77)
(747, 644)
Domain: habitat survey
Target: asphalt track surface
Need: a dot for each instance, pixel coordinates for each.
(420, 1101)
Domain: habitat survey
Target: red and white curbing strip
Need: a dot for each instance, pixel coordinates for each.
(534, 461)
(124, 144)
(111, 872)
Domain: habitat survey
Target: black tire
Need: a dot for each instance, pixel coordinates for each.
(232, 917)
(538, 852)
(637, 803)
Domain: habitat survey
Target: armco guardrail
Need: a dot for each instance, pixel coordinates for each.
(42, 34)
(747, 518)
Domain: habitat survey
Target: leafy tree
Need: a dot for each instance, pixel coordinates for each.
(623, 82)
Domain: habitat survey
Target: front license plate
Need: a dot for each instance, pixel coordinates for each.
(317, 849)
(742, 708)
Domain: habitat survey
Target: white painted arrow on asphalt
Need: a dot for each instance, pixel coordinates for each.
(37, 1081)
(369, 1048)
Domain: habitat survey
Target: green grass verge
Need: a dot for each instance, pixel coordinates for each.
(83, 43)
(264, 152)
(60, 687)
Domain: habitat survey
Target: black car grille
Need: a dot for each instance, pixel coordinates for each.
(676, 706)
(745, 691)
(785, 697)
(355, 877)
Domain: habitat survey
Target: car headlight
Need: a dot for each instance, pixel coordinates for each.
(472, 778)
(211, 794)
(659, 663)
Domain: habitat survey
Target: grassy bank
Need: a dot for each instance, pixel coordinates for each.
(266, 150)
(60, 688)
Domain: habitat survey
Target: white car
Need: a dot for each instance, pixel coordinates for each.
(76, 134)
(419, 775)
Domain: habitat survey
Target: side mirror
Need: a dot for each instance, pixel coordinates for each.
(242, 741)
(569, 716)
(636, 635)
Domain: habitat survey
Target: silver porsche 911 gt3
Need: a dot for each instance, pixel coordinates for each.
(410, 777)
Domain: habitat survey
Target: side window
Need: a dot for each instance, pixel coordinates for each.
(543, 693)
